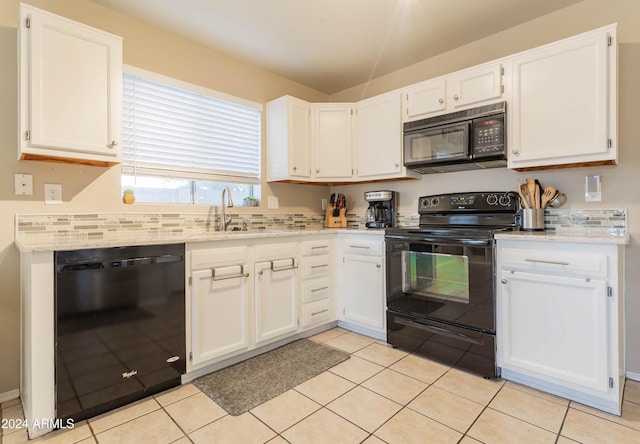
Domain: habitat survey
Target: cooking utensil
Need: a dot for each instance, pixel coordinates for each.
(538, 196)
(548, 194)
(558, 200)
(523, 200)
(531, 188)
(527, 197)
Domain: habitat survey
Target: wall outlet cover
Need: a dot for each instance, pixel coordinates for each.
(52, 193)
(272, 202)
(592, 188)
(23, 185)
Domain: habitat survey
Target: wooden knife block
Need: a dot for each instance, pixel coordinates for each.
(331, 221)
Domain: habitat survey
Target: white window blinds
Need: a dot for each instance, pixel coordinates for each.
(179, 133)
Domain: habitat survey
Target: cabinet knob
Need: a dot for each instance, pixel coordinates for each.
(503, 281)
(397, 165)
(114, 144)
(456, 97)
(317, 171)
(378, 265)
(294, 169)
(514, 151)
(440, 101)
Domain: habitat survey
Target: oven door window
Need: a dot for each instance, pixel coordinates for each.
(443, 143)
(436, 275)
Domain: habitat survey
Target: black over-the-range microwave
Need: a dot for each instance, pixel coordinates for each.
(464, 140)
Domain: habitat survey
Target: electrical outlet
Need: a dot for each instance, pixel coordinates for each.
(52, 193)
(23, 185)
(272, 202)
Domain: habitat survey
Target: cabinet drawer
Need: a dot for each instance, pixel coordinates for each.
(317, 266)
(315, 247)
(315, 289)
(216, 257)
(284, 250)
(555, 261)
(363, 247)
(316, 313)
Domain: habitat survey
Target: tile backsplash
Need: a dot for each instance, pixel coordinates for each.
(612, 222)
(35, 228)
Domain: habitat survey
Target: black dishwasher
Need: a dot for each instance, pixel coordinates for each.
(120, 326)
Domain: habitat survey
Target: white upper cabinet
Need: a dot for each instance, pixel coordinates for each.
(378, 148)
(424, 99)
(564, 102)
(332, 141)
(475, 86)
(70, 90)
(288, 139)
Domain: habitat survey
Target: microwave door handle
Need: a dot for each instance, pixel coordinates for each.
(468, 140)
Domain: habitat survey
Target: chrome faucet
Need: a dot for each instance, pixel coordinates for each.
(225, 221)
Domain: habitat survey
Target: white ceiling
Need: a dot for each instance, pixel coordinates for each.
(331, 45)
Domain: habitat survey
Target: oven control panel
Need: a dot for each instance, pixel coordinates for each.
(477, 201)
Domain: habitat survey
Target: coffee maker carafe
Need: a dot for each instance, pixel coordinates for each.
(382, 208)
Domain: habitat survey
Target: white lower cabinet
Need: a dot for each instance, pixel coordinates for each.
(219, 297)
(361, 284)
(275, 291)
(316, 283)
(255, 293)
(559, 320)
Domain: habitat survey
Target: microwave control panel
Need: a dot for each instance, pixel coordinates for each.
(488, 136)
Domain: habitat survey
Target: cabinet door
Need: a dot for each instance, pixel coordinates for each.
(71, 77)
(378, 148)
(218, 313)
(332, 141)
(560, 112)
(299, 139)
(424, 99)
(475, 86)
(275, 299)
(555, 328)
(362, 291)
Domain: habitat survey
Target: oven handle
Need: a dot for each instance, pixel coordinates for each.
(442, 241)
(439, 331)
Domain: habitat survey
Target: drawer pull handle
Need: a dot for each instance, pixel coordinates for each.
(293, 266)
(242, 274)
(543, 261)
(319, 312)
(320, 266)
(318, 247)
(364, 247)
(319, 289)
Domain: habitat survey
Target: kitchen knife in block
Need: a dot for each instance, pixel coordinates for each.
(339, 221)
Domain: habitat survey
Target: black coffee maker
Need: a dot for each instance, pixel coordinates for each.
(382, 209)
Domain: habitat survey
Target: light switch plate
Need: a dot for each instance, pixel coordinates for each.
(272, 202)
(592, 188)
(23, 185)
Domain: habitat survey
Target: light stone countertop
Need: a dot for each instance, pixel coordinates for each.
(69, 243)
(569, 237)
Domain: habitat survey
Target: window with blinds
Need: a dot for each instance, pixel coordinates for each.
(178, 136)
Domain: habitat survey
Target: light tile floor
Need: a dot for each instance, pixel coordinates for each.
(380, 395)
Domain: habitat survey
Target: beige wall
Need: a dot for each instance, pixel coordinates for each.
(90, 189)
(619, 183)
